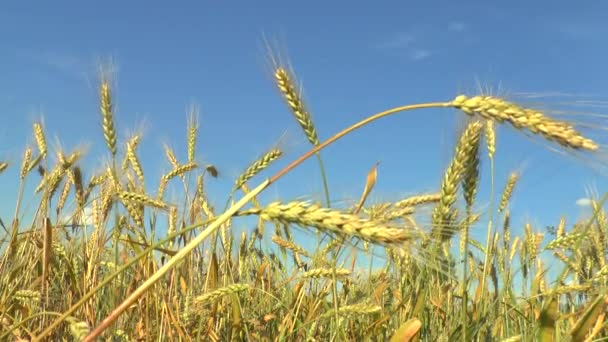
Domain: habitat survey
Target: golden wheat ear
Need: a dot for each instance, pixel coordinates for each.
(534, 121)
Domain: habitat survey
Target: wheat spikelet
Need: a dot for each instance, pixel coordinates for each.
(353, 310)
(172, 224)
(325, 273)
(418, 200)
(490, 134)
(561, 227)
(133, 142)
(396, 214)
(40, 139)
(571, 288)
(285, 83)
(180, 170)
(135, 211)
(330, 246)
(513, 248)
(219, 293)
(161, 188)
(171, 156)
(192, 133)
(499, 110)
(76, 176)
(133, 160)
(27, 155)
(506, 226)
(564, 241)
(377, 210)
(50, 180)
(307, 215)
(3, 166)
(109, 132)
(96, 180)
(289, 245)
(470, 178)
(564, 258)
(443, 214)
(257, 167)
(508, 191)
(64, 193)
(78, 329)
(204, 204)
(127, 196)
(27, 295)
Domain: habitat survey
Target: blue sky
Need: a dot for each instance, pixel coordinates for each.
(353, 58)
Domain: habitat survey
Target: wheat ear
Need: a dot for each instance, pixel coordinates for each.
(313, 215)
(285, 83)
(107, 115)
(443, 214)
(499, 110)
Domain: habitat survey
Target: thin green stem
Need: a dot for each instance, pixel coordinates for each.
(324, 177)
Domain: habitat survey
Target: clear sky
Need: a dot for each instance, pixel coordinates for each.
(354, 58)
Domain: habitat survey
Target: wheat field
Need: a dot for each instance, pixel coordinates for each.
(105, 258)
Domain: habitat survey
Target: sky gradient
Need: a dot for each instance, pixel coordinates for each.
(353, 59)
